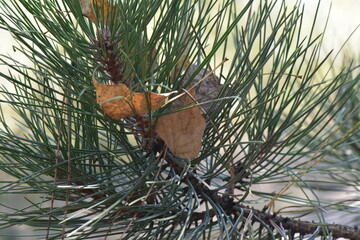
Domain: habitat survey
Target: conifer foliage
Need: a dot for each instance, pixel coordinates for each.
(173, 120)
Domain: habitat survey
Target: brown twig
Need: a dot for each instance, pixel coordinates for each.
(68, 120)
(296, 226)
(106, 53)
(56, 174)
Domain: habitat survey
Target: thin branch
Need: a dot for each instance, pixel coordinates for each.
(55, 174)
(297, 226)
(68, 180)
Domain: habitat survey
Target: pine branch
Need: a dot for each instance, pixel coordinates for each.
(230, 207)
(107, 55)
(262, 122)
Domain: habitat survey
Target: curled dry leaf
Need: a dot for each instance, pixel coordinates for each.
(209, 87)
(118, 102)
(182, 131)
(87, 8)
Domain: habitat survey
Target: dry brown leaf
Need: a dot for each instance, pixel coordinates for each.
(87, 8)
(209, 87)
(118, 102)
(182, 131)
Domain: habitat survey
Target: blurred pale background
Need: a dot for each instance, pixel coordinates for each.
(344, 19)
